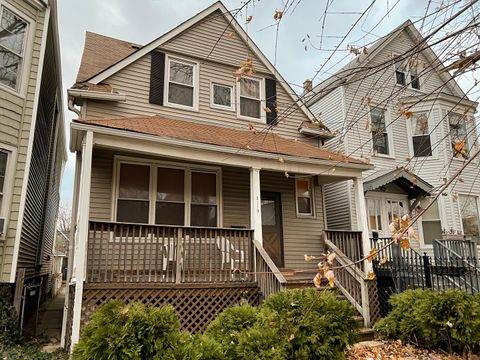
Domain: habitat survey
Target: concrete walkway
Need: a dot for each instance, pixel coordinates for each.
(50, 320)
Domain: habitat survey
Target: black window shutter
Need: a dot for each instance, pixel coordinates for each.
(271, 100)
(157, 77)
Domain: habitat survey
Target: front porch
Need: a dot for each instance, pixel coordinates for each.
(157, 218)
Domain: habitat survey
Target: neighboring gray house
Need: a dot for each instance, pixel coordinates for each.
(401, 109)
(32, 145)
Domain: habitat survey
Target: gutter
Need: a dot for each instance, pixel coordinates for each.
(96, 95)
(210, 147)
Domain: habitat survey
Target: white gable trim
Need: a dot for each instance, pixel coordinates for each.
(184, 26)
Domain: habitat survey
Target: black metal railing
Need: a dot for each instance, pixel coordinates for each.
(398, 269)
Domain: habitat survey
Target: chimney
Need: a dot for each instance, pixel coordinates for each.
(307, 86)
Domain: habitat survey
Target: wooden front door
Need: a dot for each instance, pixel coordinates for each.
(272, 228)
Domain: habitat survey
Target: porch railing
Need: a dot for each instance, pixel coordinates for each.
(348, 242)
(455, 249)
(268, 276)
(134, 253)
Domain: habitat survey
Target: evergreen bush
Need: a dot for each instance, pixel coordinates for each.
(448, 320)
(9, 327)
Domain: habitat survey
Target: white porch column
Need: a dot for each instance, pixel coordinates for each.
(362, 220)
(82, 234)
(255, 205)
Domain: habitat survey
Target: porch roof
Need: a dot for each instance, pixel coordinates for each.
(243, 140)
(412, 184)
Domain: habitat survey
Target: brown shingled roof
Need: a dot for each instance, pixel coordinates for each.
(100, 52)
(216, 135)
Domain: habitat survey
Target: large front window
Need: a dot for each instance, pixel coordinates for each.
(13, 32)
(469, 211)
(379, 132)
(163, 195)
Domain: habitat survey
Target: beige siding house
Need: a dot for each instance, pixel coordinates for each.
(199, 174)
(407, 115)
(32, 145)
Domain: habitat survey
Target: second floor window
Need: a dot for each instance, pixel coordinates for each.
(379, 131)
(422, 145)
(250, 98)
(181, 83)
(458, 135)
(13, 32)
(222, 96)
(400, 73)
(469, 210)
(3, 172)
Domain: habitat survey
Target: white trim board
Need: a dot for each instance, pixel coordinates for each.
(184, 26)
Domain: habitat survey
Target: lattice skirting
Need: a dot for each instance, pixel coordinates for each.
(373, 302)
(196, 305)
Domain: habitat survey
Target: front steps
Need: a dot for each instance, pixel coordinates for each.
(305, 280)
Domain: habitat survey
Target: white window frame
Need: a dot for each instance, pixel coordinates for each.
(232, 96)
(408, 79)
(432, 133)
(8, 183)
(263, 116)
(195, 82)
(459, 207)
(383, 198)
(312, 214)
(441, 213)
(23, 73)
(388, 126)
(154, 165)
(467, 139)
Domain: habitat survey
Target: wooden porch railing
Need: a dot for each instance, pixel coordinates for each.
(348, 242)
(351, 280)
(134, 253)
(268, 276)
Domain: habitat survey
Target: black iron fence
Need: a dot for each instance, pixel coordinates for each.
(397, 270)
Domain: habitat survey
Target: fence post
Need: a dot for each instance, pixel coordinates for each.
(426, 269)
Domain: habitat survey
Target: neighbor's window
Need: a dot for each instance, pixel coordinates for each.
(379, 131)
(3, 171)
(181, 83)
(431, 222)
(458, 135)
(222, 96)
(250, 98)
(203, 211)
(13, 32)
(422, 145)
(374, 214)
(133, 193)
(400, 72)
(470, 216)
(414, 79)
(304, 195)
(170, 201)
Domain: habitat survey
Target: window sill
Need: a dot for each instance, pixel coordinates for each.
(181, 107)
(306, 216)
(255, 120)
(222, 108)
(382, 156)
(407, 87)
(8, 89)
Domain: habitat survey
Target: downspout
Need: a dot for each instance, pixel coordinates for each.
(72, 107)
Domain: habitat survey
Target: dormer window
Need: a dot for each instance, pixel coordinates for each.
(414, 79)
(400, 73)
(406, 73)
(250, 95)
(182, 86)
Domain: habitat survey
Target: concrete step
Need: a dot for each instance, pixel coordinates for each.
(366, 334)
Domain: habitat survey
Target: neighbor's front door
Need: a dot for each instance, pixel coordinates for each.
(272, 229)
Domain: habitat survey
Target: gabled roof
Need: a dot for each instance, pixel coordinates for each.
(412, 184)
(101, 52)
(347, 72)
(113, 67)
(221, 136)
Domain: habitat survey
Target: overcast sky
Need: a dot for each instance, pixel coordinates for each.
(141, 21)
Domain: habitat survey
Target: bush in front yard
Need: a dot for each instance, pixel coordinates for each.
(119, 331)
(296, 324)
(449, 320)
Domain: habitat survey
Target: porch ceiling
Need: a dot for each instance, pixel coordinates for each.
(413, 185)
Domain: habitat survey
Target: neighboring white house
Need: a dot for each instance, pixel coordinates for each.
(399, 107)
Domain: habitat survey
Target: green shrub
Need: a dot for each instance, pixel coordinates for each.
(119, 331)
(449, 320)
(316, 325)
(199, 347)
(296, 324)
(9, 328)
(29, 351)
